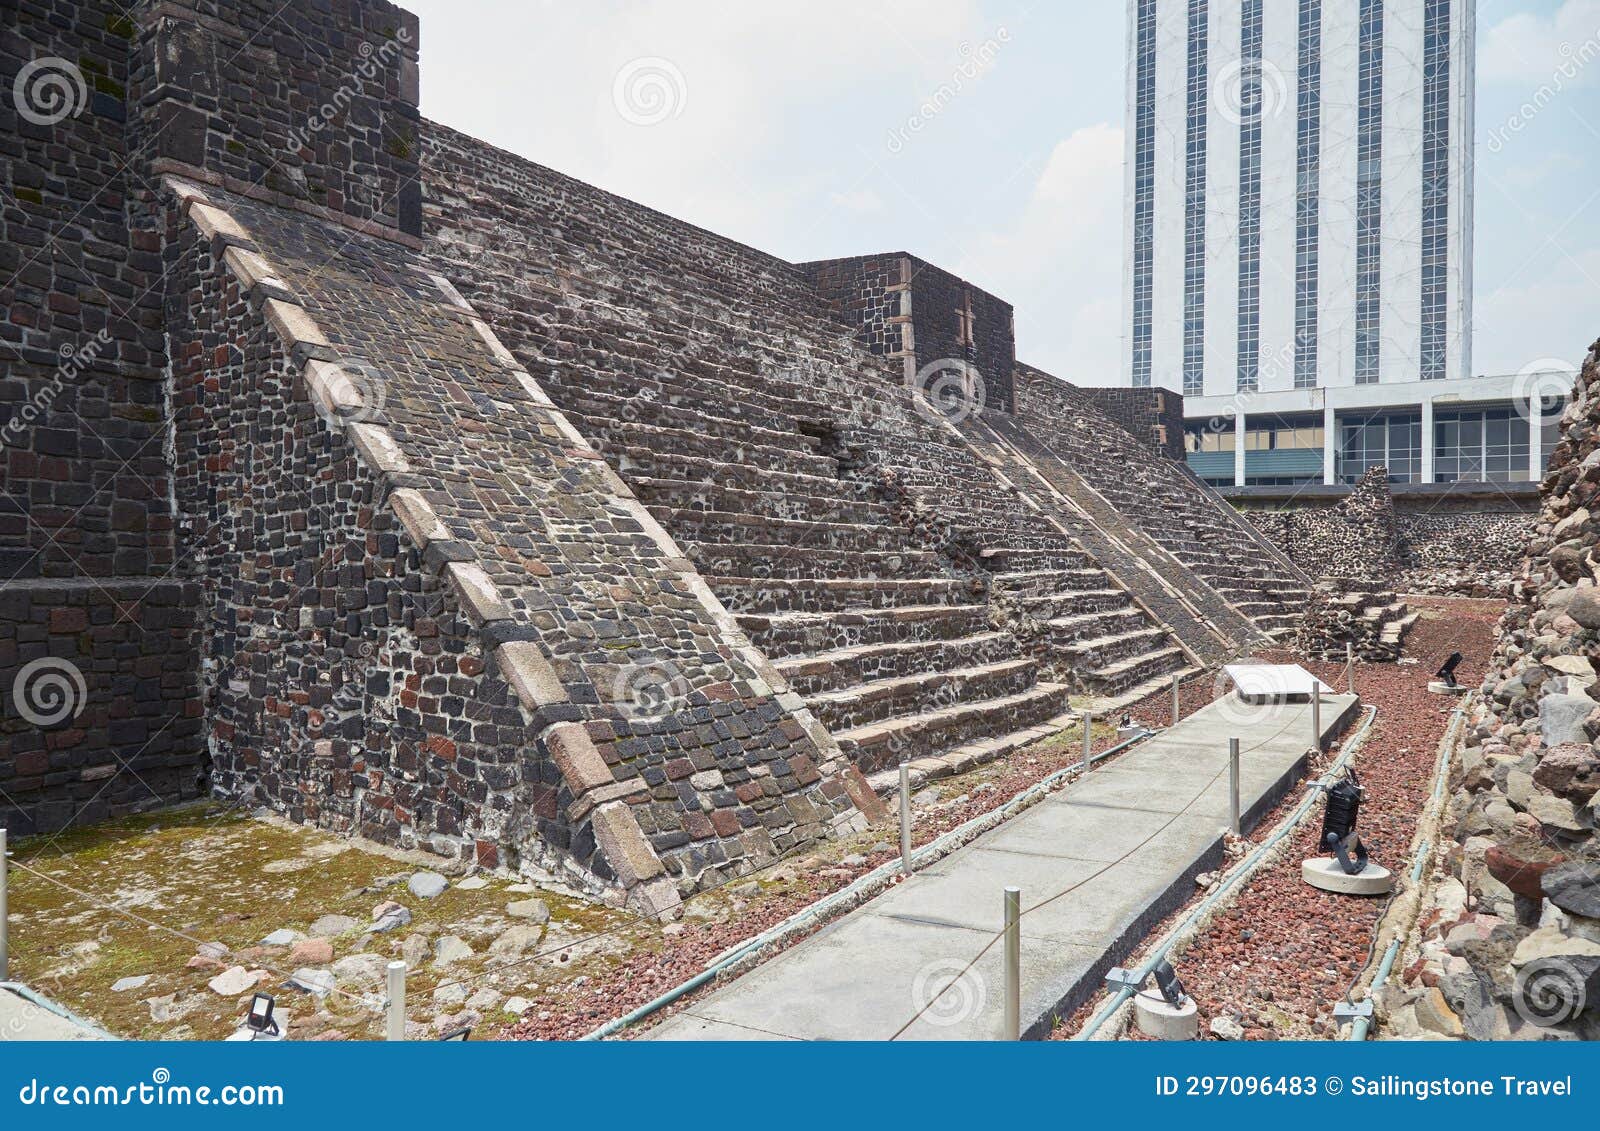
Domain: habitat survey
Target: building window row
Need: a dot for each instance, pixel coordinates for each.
(1197, 105)
(1369, 192)
(1144, 189)
(1248, 339)
(1308, 174)
(1435, 187)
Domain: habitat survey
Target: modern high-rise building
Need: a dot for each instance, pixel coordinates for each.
(1299, 240)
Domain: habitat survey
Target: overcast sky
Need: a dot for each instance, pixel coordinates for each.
(790, 127)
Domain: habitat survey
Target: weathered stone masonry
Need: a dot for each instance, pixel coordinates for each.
(475, 509)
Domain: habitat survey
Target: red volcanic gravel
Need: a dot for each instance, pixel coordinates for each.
(1282, 953)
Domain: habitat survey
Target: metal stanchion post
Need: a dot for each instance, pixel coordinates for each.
(396, 1007)
(905, 818)
(1013, 1022)
(1088, 738)
(1350, 667)
(1233, 786)
(1174, 698)
(1316, 714)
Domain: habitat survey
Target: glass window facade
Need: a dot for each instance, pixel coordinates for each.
(1198, 104)
(1369, 191)
(1249, 331)
(1308, 173)
(1144, 187)
(1391, 439)
(1487, 444)
(1435, 185)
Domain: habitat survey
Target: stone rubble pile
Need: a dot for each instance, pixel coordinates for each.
(1354, 549)
(1511, 938)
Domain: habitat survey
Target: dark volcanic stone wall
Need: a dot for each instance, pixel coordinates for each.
(872, 293)
(313, 105)
(1152, 415)
(901, 306)
(91, 607)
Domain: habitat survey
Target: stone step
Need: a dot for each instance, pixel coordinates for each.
(862, 663)
(651, 463)
(1095, 653)
(621, 436)
(1087, 626)
(1067, 604)
(796, 634)
(1007, 560)
(879, 745)
(921, 693)
(1150, 667)
(767, 596)
(688, 494)
(1048, 582)
(799, 561)
(724, 527)
(655, 405)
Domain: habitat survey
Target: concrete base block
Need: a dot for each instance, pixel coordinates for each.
(1324, 872)
(1439, 687)
(1157, 1019)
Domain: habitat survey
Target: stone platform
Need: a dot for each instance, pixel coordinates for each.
(1118, 850)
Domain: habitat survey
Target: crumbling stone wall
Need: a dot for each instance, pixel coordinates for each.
(1512, 946)
(1468, 553)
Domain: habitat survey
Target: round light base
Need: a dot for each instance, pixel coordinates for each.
(1157, 1019)
(1324, 872)
(1440, 687)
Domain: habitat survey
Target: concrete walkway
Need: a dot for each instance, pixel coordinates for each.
(1133, 834)
(24, 1020)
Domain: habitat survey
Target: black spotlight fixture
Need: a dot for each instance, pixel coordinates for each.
(1167, 982)
(1339, 824)
(1447, 673)
(259, 1019)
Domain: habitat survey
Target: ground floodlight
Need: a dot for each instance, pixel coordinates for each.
(458, 1034)
(1447, 673)
(1167, 982)
(1339, 823)
(259, 1019)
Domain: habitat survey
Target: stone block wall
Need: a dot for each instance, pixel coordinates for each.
(1152, 415)
(311, 106)
(86, 535)
(904, 307)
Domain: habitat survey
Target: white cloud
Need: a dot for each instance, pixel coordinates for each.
(1533, 49)
(760, 93)
(1060, 263)
(1551, 303)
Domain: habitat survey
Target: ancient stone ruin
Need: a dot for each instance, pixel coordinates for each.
(400, 485)
(1515, 944)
